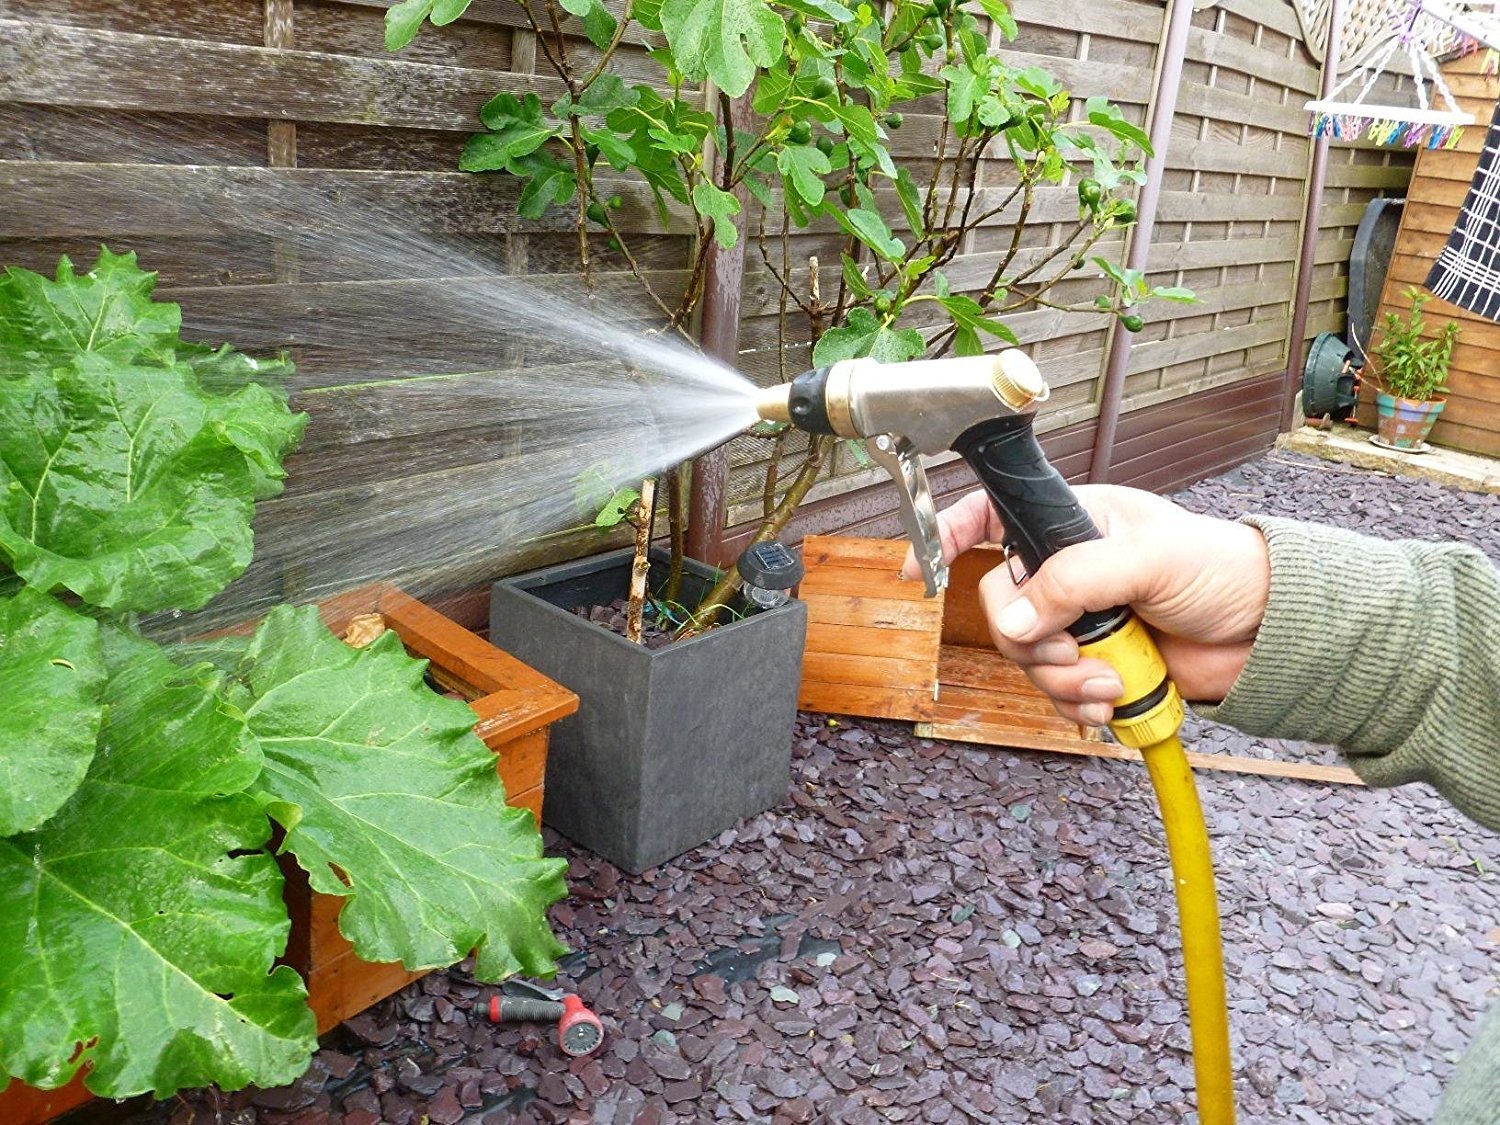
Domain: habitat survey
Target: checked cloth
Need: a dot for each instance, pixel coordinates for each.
(1467, 272)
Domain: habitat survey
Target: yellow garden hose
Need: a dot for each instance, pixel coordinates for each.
(1198, 913)
(1132, 652)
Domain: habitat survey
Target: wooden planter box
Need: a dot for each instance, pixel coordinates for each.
(514, 705)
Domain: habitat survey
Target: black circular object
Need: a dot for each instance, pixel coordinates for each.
(1369, 265)
(583, 1038)
(1330, 382)
(770, 566)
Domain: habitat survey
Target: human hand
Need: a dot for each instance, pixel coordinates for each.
(1200, 583)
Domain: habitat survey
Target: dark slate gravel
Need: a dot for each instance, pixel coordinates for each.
(927, 932)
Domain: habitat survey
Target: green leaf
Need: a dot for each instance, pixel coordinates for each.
(1103, 113)
(1178, 293)
(598, 24)
(771, 89)
(827, 9)
(108, 311)
(724, 40)
(803, 166)
(964, 88)
(143, 915)
(720, 206)
(864, 335)
(617, 507)
(393, 789)
(870, 228)
(999, 13)
(548, 181)
(446, 11)
(619, 152)
(51, 677)
(516, 130)
(606, 94)
(911, 202)
(123, 480)
(403, 21)
(969, 315)
(854, 279)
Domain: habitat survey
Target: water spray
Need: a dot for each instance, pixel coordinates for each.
(983, 408)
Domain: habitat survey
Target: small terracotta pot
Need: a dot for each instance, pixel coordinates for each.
(1406, 422)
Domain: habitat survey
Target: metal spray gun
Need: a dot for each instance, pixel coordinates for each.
(983, 407)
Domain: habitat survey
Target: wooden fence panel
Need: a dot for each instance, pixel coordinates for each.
(215, 138)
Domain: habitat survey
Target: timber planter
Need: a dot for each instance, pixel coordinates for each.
(670, 746)
(514, 706)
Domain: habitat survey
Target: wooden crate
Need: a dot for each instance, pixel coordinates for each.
(514, 705)
(879, 648)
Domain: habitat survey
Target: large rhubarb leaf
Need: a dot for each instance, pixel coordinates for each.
(387, 797)
(51, 679)
(109, 310)
(129, 485)
(142, 920)
(129, 459)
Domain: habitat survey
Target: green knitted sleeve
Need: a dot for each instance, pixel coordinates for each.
(1389, 650)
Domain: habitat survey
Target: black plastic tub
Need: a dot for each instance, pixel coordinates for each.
(669, 746)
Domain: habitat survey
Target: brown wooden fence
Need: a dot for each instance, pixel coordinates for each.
(168, 127)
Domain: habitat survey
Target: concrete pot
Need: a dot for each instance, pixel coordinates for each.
(669, 746)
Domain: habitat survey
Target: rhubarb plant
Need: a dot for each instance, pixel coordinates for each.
(140, 898)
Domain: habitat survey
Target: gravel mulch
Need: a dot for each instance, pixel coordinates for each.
(929, 932)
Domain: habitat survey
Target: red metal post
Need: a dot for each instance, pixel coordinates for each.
(1164, 108)
(720, 335)
(1296, 346)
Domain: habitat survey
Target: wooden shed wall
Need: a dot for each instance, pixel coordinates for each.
(1440, 182)
(169, 128)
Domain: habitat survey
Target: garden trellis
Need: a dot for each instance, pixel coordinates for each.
(1381, 34)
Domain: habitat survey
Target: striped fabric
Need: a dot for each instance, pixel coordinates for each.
(1467, 272)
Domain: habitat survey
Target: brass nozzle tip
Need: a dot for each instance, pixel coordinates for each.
(774, 404)
(1018, 381)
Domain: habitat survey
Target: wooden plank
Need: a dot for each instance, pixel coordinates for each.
(913, 673)
(55, 65)
(964, 619)
(53, 200)
(860, 581)
(876, 554)
(854, 640)
(869, 702)
(1296, 771)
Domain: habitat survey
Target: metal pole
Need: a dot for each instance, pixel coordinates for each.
(1164, 108)
(719, 334)
(1317, 178)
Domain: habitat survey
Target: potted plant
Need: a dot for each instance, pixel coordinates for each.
(805, 98)
(1410, 371)
(141, 905)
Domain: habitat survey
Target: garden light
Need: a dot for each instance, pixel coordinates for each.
(769, 571)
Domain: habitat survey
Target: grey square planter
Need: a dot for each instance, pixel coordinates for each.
(669, 747)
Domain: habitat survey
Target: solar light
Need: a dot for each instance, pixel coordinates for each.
(769, 571)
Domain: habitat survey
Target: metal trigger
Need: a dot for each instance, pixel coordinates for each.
(1010, 564)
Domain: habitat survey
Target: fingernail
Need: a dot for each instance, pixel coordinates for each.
(1017, 619)
(1057, 651)
(1103, 689)
(1095, 714)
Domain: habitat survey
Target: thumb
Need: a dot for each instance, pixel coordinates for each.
(1096, 575)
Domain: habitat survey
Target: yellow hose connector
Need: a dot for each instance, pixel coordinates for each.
(1152, 716)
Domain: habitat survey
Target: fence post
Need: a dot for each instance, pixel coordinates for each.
(719, 333)
(1316, 180)
(1179, 20)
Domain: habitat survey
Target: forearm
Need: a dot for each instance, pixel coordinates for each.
(1389, 650)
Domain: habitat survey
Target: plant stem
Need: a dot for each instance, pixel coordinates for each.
(678, 534)
(641, 566)
(807, 476)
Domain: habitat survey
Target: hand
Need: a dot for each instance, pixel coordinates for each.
(1200, 583)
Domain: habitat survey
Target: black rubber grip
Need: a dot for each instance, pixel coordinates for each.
(1040, 512)
(521, 1009)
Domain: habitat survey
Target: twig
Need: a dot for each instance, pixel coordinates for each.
(642, 564)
